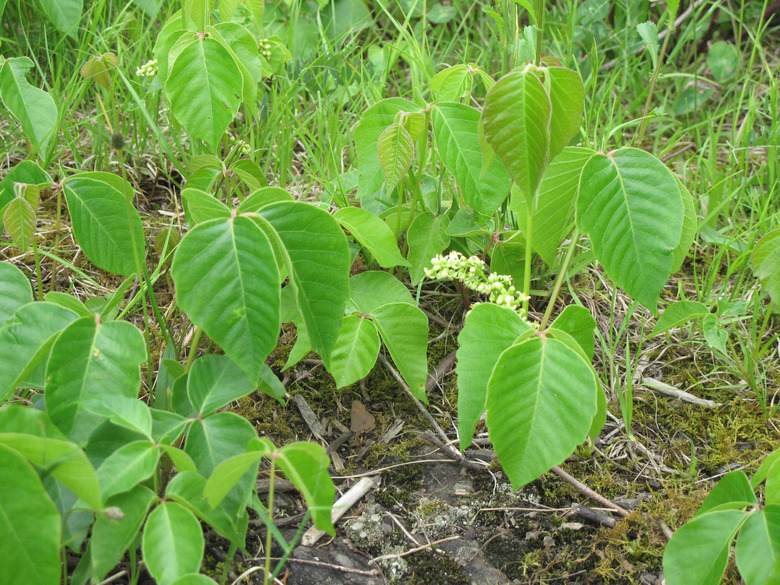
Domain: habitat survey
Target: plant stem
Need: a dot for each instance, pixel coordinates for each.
(37, 268)
(193, 348)
(539, 32)
(656, 74)
(560, 279)
(269, 535)
(529, 226)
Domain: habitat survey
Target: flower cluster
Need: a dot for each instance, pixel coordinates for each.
(265, 48)
(148, 69)
(472, 272)
(243, 145)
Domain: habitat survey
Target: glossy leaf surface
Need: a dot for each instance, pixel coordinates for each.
(34, 108)
(172, 543)
(355, 352)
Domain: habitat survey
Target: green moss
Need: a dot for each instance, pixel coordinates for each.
(428, 568)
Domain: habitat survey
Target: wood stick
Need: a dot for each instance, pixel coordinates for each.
(340, 508)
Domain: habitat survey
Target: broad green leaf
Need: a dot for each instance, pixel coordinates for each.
(649, 33)
(15, 291)
(452, 83)
(508, 257)
(172, 543)
(198, 12)
(698, 552)
(734, 488)
(567, 97)
(63, 14)
(214, 381)
(242, 47)
(26, 338)
(373, 288)
(427, 236)
(487, 332)
(127, 467)
(766, 263)
(319, 271)
(758, 545)
(25, 172)
(19, 219)
(69, 302)
(630, 207)
(679, 313)
(772, 488)
(395, 149)
(271, 385)
(167, 425)
(84, 357)
(250, 173)
(167, 37)
(189, 489)
(226, 9)
(356, 350)
(201, 206)
(228, 282)
(112, 537)
(556, 202)
(714, 333)
(193, 579)
(516, 119)
(256, 7)
(404, 331)
(123, 411)
(414, 122)
(373, 234)
(306, 465)
(456, 128)
(30, 525)
(580, 324)
(34, 108)
(373, 122)
(723, 59)
(226, 475)
(204, 89)
(108, 230)
(466, 223)
(149, 6)
(179, 458)
(60, 459)
(689, 229)
(534, 385)
(262, 197)
(763, 470)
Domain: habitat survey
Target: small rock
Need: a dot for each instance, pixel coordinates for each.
(572, 526)
(548, 541)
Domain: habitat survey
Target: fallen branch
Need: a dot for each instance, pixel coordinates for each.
(585, 490)
(593, 516)
(677, 394)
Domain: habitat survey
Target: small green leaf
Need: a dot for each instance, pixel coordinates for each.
(30, 525)
(214, 381)
(395, 149)
(763, 470)
(64, 14)
(733, 488)
(427, 236)
(723, 60)
(356, 350)
(689, 230)
(452, 83)
(766, 263)
(172, 543)
(373, 234)
(34, 108)
(679, 313)
(535, 384)
(25, 172)
(758, 545)
(262, 197)
(19, 219)
(128, 466)
(15, 291)
(306, 465)
(201, 206)
(112, 537)
(698, 552)
(630, 207)
(649, 33)
(579, 323)
(372, 289)
(715, 334)
(567, 97)
(487, 332)
(123, 411)
(404, 331)
(227, 474)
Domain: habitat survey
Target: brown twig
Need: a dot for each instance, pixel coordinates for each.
(593, 516)
(585, 490)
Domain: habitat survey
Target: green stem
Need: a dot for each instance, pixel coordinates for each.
(37, 268)
(269, 535)
(529, 226)
(560, 279)
(539, 32)
(656, 74)
(193, 348)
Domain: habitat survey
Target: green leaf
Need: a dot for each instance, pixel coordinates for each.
(15, 291)
(456, 128)
(216, 438)
(256, 7)
(228, 282)
(188, 489)
(516, 119)
(319, 271)
(34, 108)
(698, 552)
(679, 313)
(580, 324)
(372, 289)
(226, 475)
(733, 488)
(198, 12)
(723, 60)
(179, 458)
(30, 525)
(214, 381)
(204, 89)
(201, 206)
(763, 470)
(395, 149)
(172, 543)
(427, 236)
(487, 332)
(630, 207)
(372, 124)
(690, 227)
(567, 97)
(262, 197)
(452, 83)
(127, 467)
(26, 338)
(766, 263)
(404, 331)
(534, 385)
(306, 465)
(758, 545)
(123, 411)
(19, 219)
(108, 230)
(84, 357)
(772, 489)
(356, 350)
(112, 537)
(242, 47)
(714, 333)
(373, 234)
(649, 33)
(25, 172)
(271, 385)
(556, 202)
(149, 6)
(193, 579)
(226, 9)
